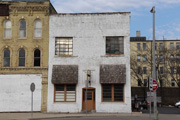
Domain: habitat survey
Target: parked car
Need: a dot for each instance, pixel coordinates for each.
(177, 104)
(139, 105)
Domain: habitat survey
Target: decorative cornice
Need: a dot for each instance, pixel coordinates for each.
(29, 8)
(21, 68)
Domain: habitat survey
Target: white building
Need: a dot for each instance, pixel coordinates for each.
(89, 46)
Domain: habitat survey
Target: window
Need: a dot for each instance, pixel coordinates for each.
(172, 82)
(65, 93)
(161, 58)
(112, 92)
(178, 57)
(144, 46)
(161, 70)
(161, 46)
(144, 70)
(6, 62)
(37, 57)
(178, 70)
(171, 46)
(7, 29)
(114, 45)
(172, 70)
(138, 46)
(138, 58)
(178, 82)
(37, 29)
(155, 46)
(171, 57)
(21, 57)
(144, 58)
(139, 70)
(22, 29)
(64, 46)
(161, 82)
(139, 82)
(145, 82)
(177, 45)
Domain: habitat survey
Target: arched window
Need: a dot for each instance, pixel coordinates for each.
(7, 28)
(6, 62)
(22, 29)
(37, 57)
(37, 29)
(21, 57)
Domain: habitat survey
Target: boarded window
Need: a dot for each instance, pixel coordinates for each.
(112, 92)
(21, 57)
(114, 45)
(37, 28)
(65, 93)
(7, 29)
(6, 62)
(64, 46)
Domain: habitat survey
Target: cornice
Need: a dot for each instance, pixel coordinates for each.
(29, 8)
(21, 68)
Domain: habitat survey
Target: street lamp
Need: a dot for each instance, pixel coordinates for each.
(154, 64)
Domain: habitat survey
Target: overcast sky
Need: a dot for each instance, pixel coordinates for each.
(167, 14)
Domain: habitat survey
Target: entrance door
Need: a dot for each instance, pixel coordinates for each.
(90, 99)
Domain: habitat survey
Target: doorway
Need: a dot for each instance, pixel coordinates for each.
(90, 99)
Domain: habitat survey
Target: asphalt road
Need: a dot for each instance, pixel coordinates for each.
(165, 110)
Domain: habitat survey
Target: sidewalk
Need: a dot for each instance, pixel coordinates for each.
(28, 116)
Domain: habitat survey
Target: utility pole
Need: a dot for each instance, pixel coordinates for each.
(154, 65)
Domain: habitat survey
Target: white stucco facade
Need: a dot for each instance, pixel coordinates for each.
(89, 32)
(15, 92)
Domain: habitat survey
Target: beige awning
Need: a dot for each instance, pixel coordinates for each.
(65, 74)
(113, 73)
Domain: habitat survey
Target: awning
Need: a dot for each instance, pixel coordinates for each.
(65, 74)
(113, 73)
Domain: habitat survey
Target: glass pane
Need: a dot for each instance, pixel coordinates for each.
(6, 62)
(22, 24)
(118, 92)
(22, 33)
(21, 61)
(37, 53)
(89, 95)
(38, 24)
(107, 92)
(7, 53)
(22, 53)
(36, 61)
(37, 32)
(7, 33)
(59, 92)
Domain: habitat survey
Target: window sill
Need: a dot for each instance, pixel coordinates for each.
(113, 56)
(7, 38)
(22, 38)
(112, 101)
(40, 38)
(65, 56)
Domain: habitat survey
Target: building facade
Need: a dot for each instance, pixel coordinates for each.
(167, 61)
(24, 39)
(89, 60)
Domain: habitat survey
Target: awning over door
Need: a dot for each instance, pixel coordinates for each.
(113, 73)
(62, 74)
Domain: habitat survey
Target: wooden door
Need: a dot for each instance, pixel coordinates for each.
(90, 96)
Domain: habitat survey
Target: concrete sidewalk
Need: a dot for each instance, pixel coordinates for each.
(28, 116)
(57, 116)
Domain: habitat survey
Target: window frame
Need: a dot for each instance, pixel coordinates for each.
(138, 46)
(37, 57)
(138, 58)
(144, 70)
(144, 46)
(65, 90)
(5, 29)
(173, 83)
(70, 49)
(25, 30)
(36, 28)
(112, 92)
(7, 57)
(171, 46)
(22, 57)
(120, 45)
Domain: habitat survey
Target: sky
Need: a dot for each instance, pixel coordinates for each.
(167, 16)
